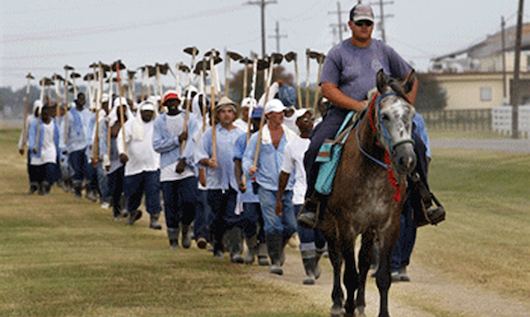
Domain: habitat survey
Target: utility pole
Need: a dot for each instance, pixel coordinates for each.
(339, 24)
(517, 66)
(503, 40)
(382, 16)
(262, 4)
(277, 36)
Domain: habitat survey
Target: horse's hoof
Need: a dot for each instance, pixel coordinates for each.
(337, 311)
(359, 312)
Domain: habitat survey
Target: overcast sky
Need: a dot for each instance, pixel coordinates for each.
(42, 36)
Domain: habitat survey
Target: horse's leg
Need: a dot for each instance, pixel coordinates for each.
(337, 295)
(365, 259)
(383, 279)
(351, 279)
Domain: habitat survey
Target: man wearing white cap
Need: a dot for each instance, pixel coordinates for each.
(278, 228)
(348, 74)
(76, 139)
(141, 165)
(174, 140)
(220, 180)
(247, 104)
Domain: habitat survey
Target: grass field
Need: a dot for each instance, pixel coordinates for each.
(60, 256)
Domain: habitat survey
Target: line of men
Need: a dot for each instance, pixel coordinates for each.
(162, 154)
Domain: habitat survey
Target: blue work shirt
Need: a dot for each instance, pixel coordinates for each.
(421, 129)
(166, 141)
(269, 162)
(223, 176)
(239, 150)
(77, 134)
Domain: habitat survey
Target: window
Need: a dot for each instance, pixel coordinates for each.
(485, 94)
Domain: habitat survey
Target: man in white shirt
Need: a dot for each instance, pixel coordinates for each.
(43, 144)
(312, 242)
(142, 175)
(23, 142)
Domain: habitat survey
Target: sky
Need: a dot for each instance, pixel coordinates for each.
(42, 36)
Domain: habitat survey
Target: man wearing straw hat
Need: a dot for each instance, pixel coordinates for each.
(221, 182)
(142, 175)
(173, 138)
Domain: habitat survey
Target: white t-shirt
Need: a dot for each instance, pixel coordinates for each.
(168, 173)
(240, 123)
(48, 150)
(293, 163)
(139, 139)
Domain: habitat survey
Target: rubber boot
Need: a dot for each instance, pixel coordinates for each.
(186, 236)
(263, 255)
(309, 258)
(173, 236)
(134, 216)
(319, 254)
(308, 216)
(154, 224)
(252, 246)
(41, 189)
(46, 187)
(33, 187)
(274, 246)
(234, 242)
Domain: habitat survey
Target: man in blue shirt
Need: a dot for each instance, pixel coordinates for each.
(349, 72)
(220, 180)
(278, 229)
(77, 137)
(177, 168)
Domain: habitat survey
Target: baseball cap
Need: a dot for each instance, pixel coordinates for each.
(362, 12)
(274, 105)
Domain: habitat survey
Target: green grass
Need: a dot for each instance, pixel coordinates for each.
(444, 134)
(486, 237)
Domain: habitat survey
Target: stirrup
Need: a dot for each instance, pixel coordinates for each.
(307, 217)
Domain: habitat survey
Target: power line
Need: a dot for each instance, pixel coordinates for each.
(278, 36)
(382, 16)
(339, 25)
(262, 4)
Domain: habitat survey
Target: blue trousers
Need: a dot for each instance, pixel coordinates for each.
(180, 199)
(223, 205)
(92, 177)
(203, 216)
(78, 162)
(284, 225)
(115, 181)
(253, 221)
(407, 238)
(44, 173)
(310, 239)
(327, 129)
(135, 186)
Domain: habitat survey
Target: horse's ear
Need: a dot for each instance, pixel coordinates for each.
(408, 83)
(381, 81)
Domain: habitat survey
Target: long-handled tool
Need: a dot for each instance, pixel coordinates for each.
(319, 57)
(29, 78)
(117, 66)
(230, 56)
(293, 57)
(214, 59)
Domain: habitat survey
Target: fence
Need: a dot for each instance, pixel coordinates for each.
(463, 120)
(502, 120)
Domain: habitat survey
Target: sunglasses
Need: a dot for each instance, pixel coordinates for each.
(364, 23)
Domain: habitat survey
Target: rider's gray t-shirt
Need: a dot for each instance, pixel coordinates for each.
(353, 69)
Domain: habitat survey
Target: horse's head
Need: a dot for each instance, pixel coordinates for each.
(393, 114)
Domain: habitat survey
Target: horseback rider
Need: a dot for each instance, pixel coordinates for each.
(348, 74)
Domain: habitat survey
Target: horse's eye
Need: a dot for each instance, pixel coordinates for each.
(385, 117)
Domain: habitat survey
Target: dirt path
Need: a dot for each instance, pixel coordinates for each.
(504, 145)
(429, 294)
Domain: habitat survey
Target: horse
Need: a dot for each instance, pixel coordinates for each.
(368, 194)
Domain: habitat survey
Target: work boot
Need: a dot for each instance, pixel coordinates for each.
(234, 242)
(91, 195)
(403, 276)
(274, 246)
(173, 236)
(134, 216)
(252, 246)
(309, 267)
(308, 216)
(33, 187)
(319, 254)
(78, 189)
(263, 259)
(41, 189)
(46, 187)
(154, 224)
(186, 236)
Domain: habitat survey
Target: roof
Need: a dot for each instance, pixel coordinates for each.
(492, 45)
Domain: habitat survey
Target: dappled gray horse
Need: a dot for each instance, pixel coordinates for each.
(368, 194)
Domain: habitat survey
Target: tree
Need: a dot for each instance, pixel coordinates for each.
(431, 96)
